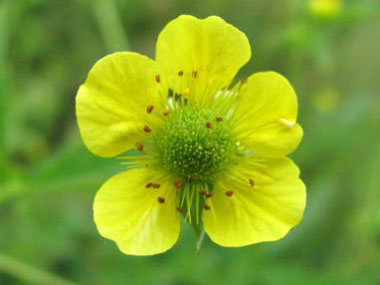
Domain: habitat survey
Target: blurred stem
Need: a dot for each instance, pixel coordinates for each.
(3, 79)
(200, 240)
(28, 273)
(110, 24)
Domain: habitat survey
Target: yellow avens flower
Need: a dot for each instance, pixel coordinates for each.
(213, 152)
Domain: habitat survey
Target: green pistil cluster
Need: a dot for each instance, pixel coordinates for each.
(195, 144)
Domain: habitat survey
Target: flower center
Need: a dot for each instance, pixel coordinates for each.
(195, 144)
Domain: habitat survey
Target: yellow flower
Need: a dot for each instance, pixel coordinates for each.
(214, 153)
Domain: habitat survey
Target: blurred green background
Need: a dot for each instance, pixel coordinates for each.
(330, 52)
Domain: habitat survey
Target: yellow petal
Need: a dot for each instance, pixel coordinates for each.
(265, 211)
(111, 104)
(129, 213)
(208, 51)
(265, 118)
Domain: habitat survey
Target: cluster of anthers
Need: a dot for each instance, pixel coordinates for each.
(193, 145)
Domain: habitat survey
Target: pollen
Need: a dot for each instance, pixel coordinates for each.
(185, 92)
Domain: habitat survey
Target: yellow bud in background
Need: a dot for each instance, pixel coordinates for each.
(325, 8)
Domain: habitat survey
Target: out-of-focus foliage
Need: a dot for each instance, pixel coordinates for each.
(48, 179)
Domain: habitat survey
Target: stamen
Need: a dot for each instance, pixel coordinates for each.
(170, 93)
(149, 109)
(181, 210)
(197, 210)
(194, 74)
(209, 195)
(209, 125)
(166, 112)
(177, 97)
(147, 129)
(156, 185)
(219, 119)
(178, 184)
(149, 185)
(161, 200)
(251, 182)
(158, 78)
(206, 207)
(139, 146)
(202, 192)
(185, 92)
(229, 193)
(180, 73)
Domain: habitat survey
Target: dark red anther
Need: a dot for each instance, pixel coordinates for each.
(194, 74)
(166, 112)
(139, 146)
(229, 193)
(147, 129)
(206, 207)
(177, 184)
(156, 185)
(149, 185)
(219, 119)
(161, 200)
(251, 182)
(209, 125)
(180, 73)
(202, 192)
(158, 78)
(181, 210)
(209, 195)
(149, 109)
